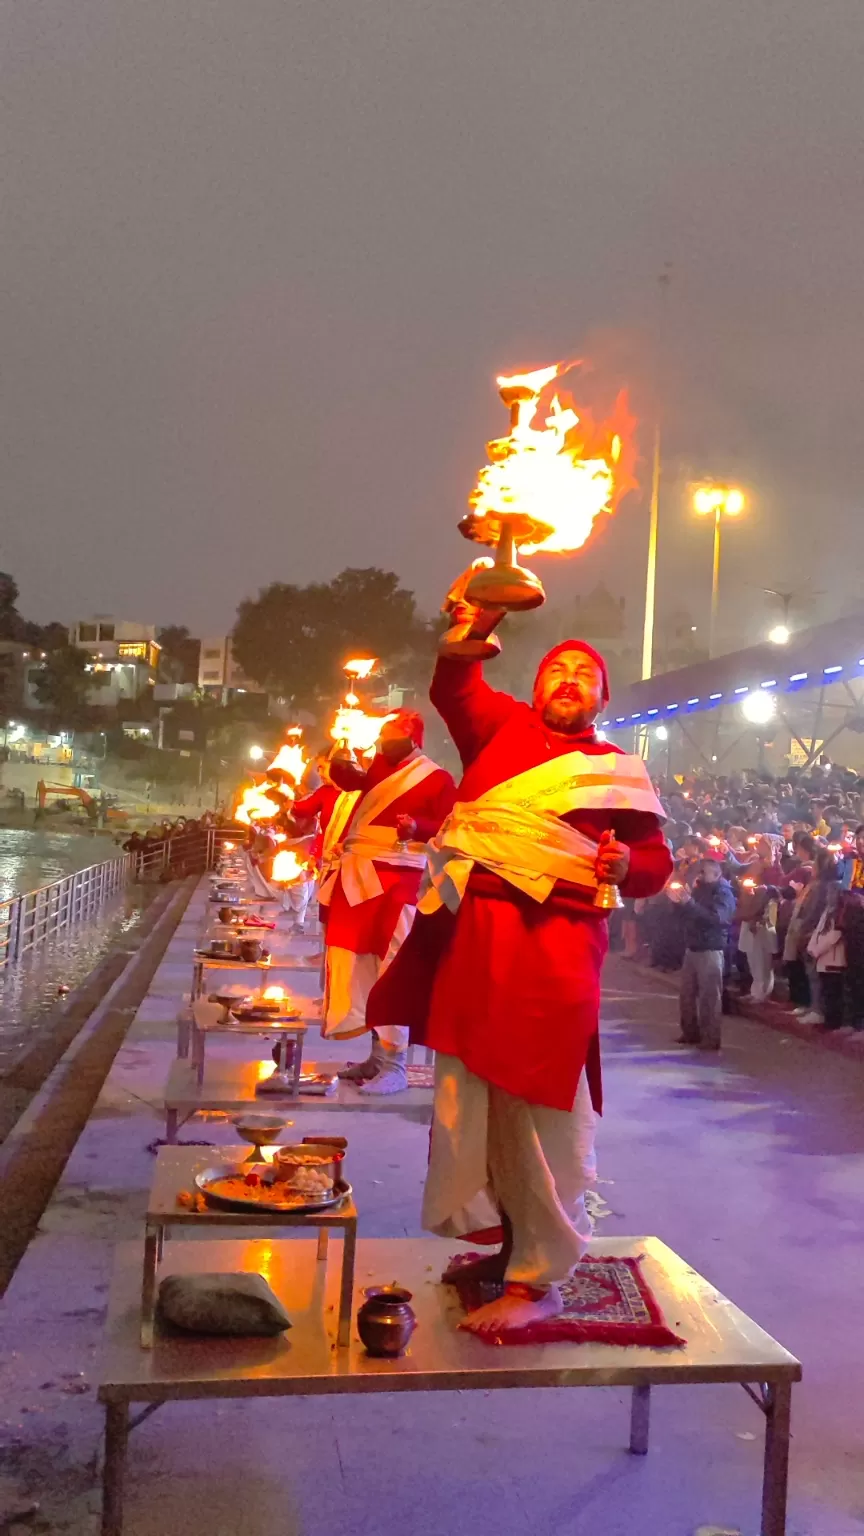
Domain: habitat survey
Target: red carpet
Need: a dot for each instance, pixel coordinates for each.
(606, 1301)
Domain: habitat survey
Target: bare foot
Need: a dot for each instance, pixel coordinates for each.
(472, 1269)
(511, 1312)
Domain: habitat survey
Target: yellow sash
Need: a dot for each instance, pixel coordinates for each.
(516, 831)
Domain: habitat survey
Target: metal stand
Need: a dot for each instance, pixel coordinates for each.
(640, 1420)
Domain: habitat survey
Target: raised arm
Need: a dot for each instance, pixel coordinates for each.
(470, 709)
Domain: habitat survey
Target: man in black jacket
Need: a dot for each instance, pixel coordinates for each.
(706, 912)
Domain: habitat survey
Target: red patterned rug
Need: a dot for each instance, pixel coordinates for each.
(421, 1077)
(606, 1301)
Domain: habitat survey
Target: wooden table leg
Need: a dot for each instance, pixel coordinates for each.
(777, 1399)
(197, 980)
(346, 1294)
(152, 1245)
(114, 1470)
(171, 1127)
(640, 1420)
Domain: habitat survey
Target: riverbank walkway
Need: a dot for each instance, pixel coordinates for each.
(750, 1165)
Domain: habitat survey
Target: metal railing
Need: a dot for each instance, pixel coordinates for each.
(28, 920)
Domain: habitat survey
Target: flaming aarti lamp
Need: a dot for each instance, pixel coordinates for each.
(501, 514)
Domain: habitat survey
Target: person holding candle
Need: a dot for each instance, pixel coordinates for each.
(501, 973)
(708, 910)
(401, 800)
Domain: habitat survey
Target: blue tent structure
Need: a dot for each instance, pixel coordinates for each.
(818, 673)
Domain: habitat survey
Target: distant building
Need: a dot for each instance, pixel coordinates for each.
(124, 659)
(218, 672)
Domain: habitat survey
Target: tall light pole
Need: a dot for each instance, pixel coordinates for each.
(663, 282)
(717, 501)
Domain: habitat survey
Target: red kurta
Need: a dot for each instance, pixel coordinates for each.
(319, 805)
(509, 985)
(368, 928)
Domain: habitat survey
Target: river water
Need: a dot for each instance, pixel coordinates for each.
(29, 988)
(29, 859)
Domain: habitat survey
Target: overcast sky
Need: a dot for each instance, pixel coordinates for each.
(262, 260)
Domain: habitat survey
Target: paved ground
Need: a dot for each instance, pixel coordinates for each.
(750, 1165)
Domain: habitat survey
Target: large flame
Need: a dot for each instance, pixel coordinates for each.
(291, 759)
(287, 867)
(563, 473)
(256, 805)
(357, 729)
(360, 666)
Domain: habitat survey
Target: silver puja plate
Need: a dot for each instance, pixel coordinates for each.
(209, 1176)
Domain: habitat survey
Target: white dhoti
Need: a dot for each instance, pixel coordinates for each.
(491, 1152)
(348, 980)
(296, 899)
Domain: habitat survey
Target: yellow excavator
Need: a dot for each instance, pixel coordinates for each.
(65, 792)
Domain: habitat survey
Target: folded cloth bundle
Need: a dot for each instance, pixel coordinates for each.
(238, 1304)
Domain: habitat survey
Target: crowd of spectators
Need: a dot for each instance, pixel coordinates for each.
(766, 898)
(173, 848)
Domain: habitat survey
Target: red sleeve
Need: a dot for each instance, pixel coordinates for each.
(310, 805)
(470, 709)
(650, 857)
(439, 807)
(345, 776)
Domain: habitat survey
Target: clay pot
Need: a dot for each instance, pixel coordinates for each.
(385, 1321)
(250, 949)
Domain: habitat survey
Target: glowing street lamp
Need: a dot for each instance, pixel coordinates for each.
(780, 634)
(758, 707)
(717, 501)
(256, 754)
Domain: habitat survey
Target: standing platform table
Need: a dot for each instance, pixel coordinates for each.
(229, 1087)
(723, 1345)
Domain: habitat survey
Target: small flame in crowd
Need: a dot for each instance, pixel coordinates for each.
(360, 666)
(564, 472)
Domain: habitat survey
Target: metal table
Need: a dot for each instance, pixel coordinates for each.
(202, 963)
(723, 1345)
(175, 1170)
(229, 1087)
(207, 1020)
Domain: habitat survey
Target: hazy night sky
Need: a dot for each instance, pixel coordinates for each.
(262, 259)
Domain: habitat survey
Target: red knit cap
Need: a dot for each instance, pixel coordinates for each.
(411, 723)
(587, 650)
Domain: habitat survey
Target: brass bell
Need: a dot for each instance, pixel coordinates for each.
(608, 897)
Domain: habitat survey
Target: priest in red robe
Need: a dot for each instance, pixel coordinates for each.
(501, 973)
(401, 801)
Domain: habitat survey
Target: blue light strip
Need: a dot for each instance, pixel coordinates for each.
(769, 682)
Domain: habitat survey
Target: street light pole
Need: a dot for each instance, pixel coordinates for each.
(663, 282)
(715, 583)
(722, 501)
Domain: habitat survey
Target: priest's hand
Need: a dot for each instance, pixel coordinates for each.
(406, 829)
(613, 860)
